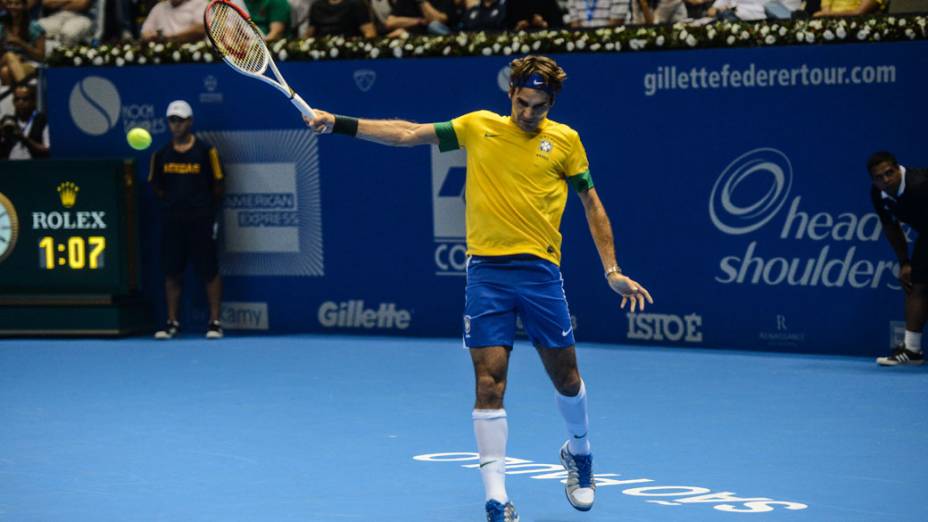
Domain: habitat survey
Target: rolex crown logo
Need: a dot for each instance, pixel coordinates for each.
(67, 191)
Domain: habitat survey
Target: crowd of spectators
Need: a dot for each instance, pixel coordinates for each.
(29, 29)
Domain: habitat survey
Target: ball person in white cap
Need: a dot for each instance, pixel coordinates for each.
(187, 176)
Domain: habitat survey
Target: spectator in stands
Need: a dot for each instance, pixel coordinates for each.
(187, 175)
(24, 134)
(438, 14)
(299, 16)
(390, 25)
(175, 21)
(696, 9)
(271, 16)
(737, 10)
(669, 11)
(641, 12)
(118, 22)
(484, 15)
(753, 9)
(523, 15)
(23, 44)
(340, 17)
(588, 14)
(850, 7)
(68, 21)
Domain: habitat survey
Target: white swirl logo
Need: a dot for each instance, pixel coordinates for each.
(502, 78)
(737, 218)
(94, 105)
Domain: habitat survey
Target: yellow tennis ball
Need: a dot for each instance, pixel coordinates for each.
(138, 138)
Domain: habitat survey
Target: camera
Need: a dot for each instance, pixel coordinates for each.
(9, 128)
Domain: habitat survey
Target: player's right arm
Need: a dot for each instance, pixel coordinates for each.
(896, 238)
(396, 133)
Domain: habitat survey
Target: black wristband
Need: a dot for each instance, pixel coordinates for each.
(345, 125)
(905, 262)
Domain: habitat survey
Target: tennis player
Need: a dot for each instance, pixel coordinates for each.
(519, 168)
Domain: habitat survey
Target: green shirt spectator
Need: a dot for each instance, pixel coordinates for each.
(271, 16)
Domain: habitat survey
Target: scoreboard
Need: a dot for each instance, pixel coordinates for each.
(68, 238)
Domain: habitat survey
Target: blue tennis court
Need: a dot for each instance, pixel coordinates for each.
(321, 428)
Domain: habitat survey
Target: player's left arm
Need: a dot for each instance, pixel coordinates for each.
(601, 230)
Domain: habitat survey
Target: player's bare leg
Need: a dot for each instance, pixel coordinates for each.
(561, 365)
(491, 364)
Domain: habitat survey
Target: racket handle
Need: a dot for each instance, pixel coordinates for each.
(300, 104)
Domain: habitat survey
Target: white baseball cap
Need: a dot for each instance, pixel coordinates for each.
(180, 108)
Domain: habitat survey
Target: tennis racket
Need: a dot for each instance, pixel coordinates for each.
(239, 41)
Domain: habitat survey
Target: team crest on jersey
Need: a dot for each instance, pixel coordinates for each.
(545, 146)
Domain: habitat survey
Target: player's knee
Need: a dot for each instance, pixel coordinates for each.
(490, 392)
(568, 382)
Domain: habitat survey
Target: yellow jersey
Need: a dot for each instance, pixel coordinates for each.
(516, 187)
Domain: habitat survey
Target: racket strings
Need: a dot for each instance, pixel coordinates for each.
(236, 39)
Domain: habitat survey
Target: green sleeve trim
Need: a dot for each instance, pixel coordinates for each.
(581, 182)
(447, 139)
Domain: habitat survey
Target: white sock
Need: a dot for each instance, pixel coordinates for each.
(492, 431)
(913, 341)
(573, 409)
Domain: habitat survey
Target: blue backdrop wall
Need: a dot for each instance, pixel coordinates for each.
(735, 181)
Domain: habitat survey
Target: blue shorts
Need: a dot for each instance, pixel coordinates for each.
(499, 288)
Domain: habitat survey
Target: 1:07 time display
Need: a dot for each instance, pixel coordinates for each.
(75, 252)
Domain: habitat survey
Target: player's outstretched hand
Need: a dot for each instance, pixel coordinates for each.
(323, 122)
(631, 291)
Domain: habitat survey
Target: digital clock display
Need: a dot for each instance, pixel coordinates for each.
(68, 227)
(75, 253)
